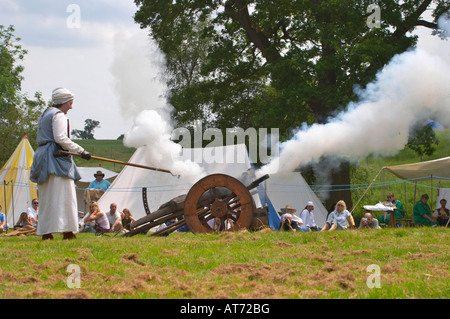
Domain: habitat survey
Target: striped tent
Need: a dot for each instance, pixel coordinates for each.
(16, 189)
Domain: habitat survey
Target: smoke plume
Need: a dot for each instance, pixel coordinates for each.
(413, 87)
(136, 70)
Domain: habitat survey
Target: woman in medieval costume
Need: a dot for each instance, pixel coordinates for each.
(55, 173)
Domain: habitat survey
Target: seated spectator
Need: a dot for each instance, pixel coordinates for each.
(99, 182)
(114, 218)
(442, 213)
(339, 218)
(289, 210)
(98, 217)
(3, 224)
(32, 212)
(287, 224)
(307, 216)
(127, 219)
(368, 222)
(399, 210)
(422, 212)
(23, 221)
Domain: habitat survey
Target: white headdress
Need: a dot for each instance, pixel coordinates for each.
(61, 96)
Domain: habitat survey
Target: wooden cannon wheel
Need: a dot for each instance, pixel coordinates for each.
(197, 215)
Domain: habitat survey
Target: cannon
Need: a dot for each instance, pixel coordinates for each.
(217, 196)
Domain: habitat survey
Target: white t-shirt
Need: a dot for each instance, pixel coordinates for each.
(308, 218)
(31, 212)
(112, 219)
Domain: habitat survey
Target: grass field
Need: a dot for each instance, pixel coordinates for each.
(412, 263)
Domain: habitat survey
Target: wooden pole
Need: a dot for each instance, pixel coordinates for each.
(120, 162)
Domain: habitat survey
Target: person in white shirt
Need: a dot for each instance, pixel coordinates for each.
(307, 216)
(114, 218)
(56, 173)
(32, 212)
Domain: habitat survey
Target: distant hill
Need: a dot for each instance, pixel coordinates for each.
(112, 149)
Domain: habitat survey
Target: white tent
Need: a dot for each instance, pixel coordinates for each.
(16, 189)
(291, 189)
(279, 191)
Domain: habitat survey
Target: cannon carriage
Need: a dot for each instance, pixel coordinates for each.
(218, 196)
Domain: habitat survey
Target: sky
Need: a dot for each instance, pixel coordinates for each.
(97, 51)
(79, 47)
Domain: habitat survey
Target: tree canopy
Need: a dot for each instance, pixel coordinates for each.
(276, 63)
(88, 133)
(18, 113)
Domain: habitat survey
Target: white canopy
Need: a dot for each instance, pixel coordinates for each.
(422, 170)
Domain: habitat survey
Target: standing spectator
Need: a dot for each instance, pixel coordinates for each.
(99, 182)
(54, 172)
(32, 212)
(422, 212)
(339, 218)
(114, 218)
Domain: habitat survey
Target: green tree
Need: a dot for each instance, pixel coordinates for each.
(88, 133)
(284, 61)
(422, 140)
(18, 113)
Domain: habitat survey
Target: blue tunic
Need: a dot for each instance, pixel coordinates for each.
(44, 160)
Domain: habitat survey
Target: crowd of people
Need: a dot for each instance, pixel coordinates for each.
(340, 218)
(100, 222)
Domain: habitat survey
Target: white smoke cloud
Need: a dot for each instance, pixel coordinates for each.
(413, 87)
(136, 70)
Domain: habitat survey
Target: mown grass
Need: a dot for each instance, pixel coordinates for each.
(413, 263)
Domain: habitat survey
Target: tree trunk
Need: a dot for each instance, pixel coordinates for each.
(341, 182)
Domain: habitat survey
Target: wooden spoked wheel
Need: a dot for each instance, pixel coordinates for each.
(220, 197)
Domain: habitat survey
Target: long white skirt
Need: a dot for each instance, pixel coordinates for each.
(57, 206)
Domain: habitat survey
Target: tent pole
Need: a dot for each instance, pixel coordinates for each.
(4, 196)
(373, 181)
(431, 188)
(384, 185)
(415, 190)
(404, 197)
(12, 201)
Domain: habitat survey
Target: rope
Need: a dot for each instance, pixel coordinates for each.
(373, 181)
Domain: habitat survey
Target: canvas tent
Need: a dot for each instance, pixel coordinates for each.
(429, 170)
(276, 192)
(422, 170)
(16, 189)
